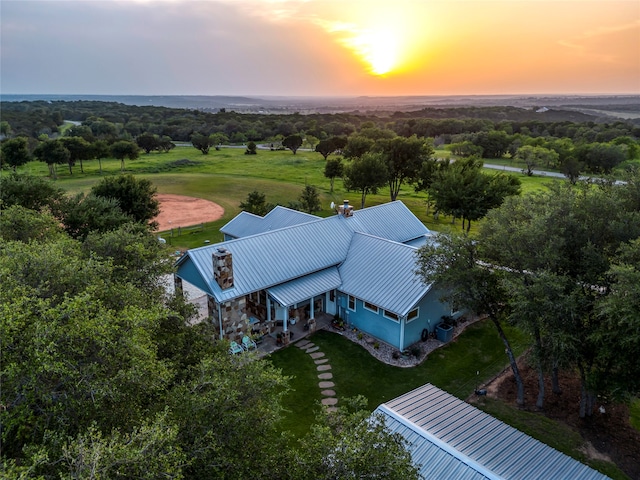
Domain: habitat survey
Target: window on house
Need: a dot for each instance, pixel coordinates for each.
(352, 303)
(332, 296)
(391, 316)
(370, 306)
(413, 314)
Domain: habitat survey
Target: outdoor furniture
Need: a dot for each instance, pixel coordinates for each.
(235, 348)
(247, 343)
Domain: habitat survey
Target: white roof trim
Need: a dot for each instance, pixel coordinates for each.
(439, 443)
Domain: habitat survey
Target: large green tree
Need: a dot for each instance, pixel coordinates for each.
(310, 199)
(52, 152)
(28, 191)
(404, 158)
(79, 150)
(333, 168)
(557, 248)
(135, 196)
(15, 152)
(366, 175)
(124, 149)
(292, 142)
(454, 264)
(255, 203)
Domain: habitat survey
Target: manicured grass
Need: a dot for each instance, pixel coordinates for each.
(227, 176)
(474, 357)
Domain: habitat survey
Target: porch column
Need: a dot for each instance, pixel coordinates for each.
(286, 319)
(312, 309)
(268, 309)
(177, 285)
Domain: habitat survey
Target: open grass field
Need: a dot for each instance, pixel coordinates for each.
(227, 176)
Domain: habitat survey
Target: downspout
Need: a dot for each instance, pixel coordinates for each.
(403, 320)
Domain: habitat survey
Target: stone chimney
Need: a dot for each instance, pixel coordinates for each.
(223, 268)
(345, 210)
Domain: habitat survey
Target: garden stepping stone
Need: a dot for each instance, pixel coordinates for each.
(321, 361)
(328, 393)
(322, 368)
(325, 376)
(326, 384)
(315, 355)
(303, 344)
(313, 349)
(331, 409)
(329, 402)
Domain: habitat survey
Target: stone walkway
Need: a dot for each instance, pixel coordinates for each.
(325, 377)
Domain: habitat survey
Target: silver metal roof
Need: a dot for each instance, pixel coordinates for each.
(383, 270)
(303, 288)
(452, 439)
(266, 260)
(246, 224)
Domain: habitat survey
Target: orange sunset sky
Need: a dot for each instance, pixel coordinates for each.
(305, 48)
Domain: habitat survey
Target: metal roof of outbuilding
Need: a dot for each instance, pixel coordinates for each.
(451, 439)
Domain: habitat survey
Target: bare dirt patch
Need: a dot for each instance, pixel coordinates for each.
(607, 434)
(182, 211)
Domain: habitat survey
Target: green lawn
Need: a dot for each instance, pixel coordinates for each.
(476, 356)
(227, 176)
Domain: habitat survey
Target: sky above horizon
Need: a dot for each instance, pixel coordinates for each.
(319, 47)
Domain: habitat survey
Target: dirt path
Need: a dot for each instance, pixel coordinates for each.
(182, 211)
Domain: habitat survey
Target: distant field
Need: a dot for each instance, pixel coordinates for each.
(227, 176)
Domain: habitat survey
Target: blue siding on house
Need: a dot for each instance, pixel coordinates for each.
(374, 324)
(431, 311)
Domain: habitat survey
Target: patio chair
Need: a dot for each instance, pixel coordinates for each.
(235, 348)
(247, 343)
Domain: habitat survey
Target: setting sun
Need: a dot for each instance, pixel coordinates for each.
(378, 49)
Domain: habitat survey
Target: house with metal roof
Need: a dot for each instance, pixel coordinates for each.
(286, 267)
(450, 439)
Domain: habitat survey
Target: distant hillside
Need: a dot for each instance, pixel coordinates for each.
(523, 106)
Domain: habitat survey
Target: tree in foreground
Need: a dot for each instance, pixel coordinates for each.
(557, 249)
(453, 263)
(28, 191)
(366, 175)
(135, 197)
(351, 444)
(252, 148)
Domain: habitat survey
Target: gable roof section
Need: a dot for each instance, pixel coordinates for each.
(268, 259)
(246, 224)
(265, 260)
(452, 439)
(303, 288)
(382, 272)
(393, 221)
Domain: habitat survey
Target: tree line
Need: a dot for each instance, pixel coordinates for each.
(106, 375)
